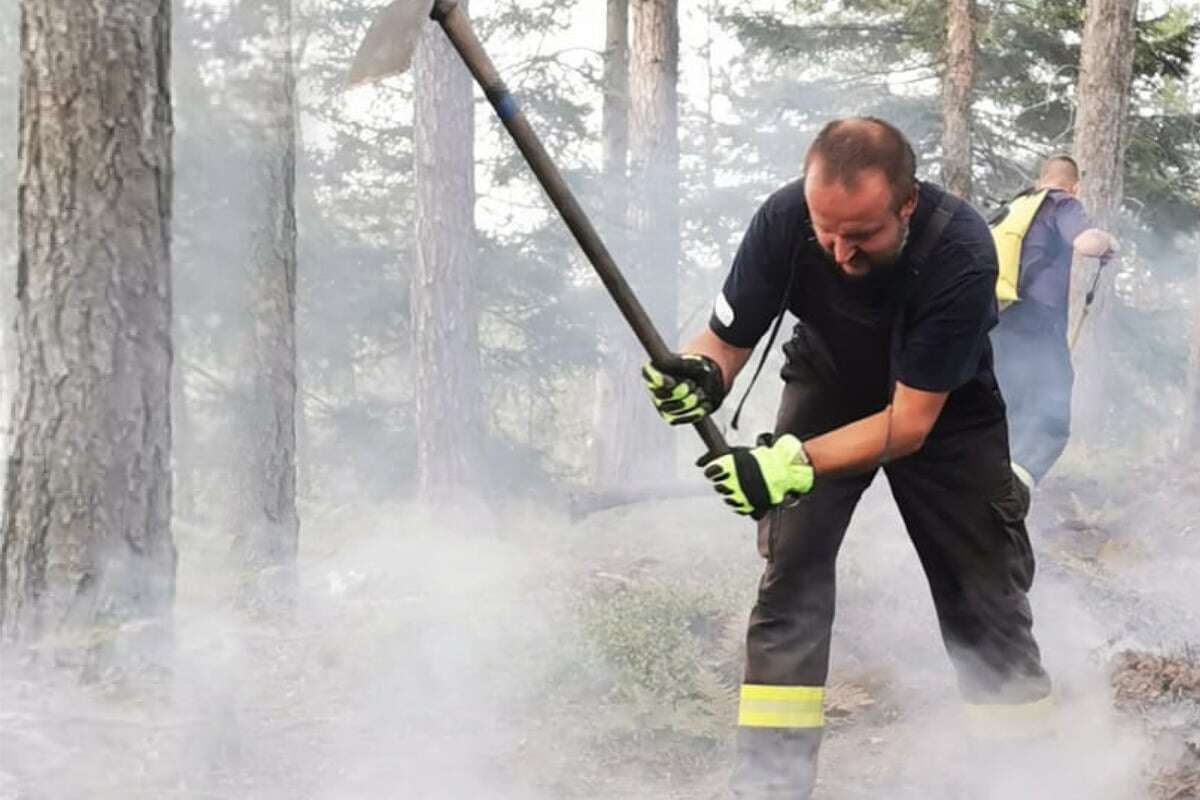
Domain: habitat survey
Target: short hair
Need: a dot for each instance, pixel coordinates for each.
(1061, 158)
(847, 147)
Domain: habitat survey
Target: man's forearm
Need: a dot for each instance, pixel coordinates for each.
(896, 431)
(854, 448)
(729, 358)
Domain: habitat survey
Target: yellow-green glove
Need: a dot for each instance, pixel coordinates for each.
(756, 479)
(685, 388)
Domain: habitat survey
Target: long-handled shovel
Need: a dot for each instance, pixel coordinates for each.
(387, 50)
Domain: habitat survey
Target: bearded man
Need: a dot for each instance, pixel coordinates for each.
(889, 369)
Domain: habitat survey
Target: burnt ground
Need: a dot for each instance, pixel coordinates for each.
(530, 657)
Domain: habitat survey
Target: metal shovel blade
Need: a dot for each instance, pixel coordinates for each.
(388, 47)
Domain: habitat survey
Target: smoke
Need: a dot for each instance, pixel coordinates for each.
(416, 667)
(886, 639)
(445, 656)
(500, 650)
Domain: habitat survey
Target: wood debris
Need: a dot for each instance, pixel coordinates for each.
(1145, 678)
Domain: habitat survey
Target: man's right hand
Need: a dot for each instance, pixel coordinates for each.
(1114, 248)
(685, 388)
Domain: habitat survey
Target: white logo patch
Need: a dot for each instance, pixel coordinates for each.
(722, 310)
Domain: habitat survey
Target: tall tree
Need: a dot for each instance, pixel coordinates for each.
(443, 306)
(957, 82)
(1102, 97)
(639, 444)
(1101, 127)
(86, 543)
(1190, 440)
(613, 391)
(10, 72)
(654, 155)
(616, 107)
(267, 525)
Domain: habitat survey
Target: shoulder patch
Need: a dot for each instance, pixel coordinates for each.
(722, 310)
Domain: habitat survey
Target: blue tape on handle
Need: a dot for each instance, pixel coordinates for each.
(505, 104)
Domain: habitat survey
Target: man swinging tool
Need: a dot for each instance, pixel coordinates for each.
(1036, 236)
(889, 368)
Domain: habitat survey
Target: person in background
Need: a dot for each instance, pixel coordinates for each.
(1033, 359)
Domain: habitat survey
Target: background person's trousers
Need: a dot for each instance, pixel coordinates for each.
(1033, 367)
(964, 512)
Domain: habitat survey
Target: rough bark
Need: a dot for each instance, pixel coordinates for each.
(443, 303)
(638, 444)
(1102, 98)
(86, 553)
(267, 530)
(654, 156)
(1101, 128)
(957, 84)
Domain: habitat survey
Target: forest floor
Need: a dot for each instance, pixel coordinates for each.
(526, 656)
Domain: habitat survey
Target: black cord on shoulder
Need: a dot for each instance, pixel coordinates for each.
(783, 304)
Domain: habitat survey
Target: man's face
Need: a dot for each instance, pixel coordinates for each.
(859, 228)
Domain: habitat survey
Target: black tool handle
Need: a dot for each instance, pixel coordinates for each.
(462, 36)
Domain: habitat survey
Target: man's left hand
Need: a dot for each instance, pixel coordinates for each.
(753, 480)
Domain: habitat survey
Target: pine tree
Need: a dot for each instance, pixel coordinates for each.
(957, 83)
(443, 305)
(86, 551)
(267, 526)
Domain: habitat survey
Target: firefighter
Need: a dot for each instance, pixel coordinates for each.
(889, 368)
(1046, 227)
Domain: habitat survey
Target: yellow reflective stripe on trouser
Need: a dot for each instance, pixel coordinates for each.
(1011, 721)
(781, 706)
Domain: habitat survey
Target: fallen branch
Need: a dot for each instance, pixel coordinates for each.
(584, 504)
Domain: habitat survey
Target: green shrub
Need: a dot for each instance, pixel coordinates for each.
(671, 651)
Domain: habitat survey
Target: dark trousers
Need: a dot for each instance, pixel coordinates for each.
(964, 512)
(1033, 367)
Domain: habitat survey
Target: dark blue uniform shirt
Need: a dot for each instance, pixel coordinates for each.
(923, 324)
(1045, 278)
(1046, 250)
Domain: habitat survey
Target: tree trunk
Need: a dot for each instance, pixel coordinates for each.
(10, 73)
(638, 444)
(1102, 98)
(304, 449)
(267, 527)
(86, 552)
(1101, 126)
(956, 97)
(1190, 440)
(654, 157)
(443, 303)
(616, 109)
(613, 376)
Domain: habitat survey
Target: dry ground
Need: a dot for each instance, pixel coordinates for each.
(524, 656)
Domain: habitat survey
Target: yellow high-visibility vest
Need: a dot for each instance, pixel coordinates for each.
(1008, 233)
